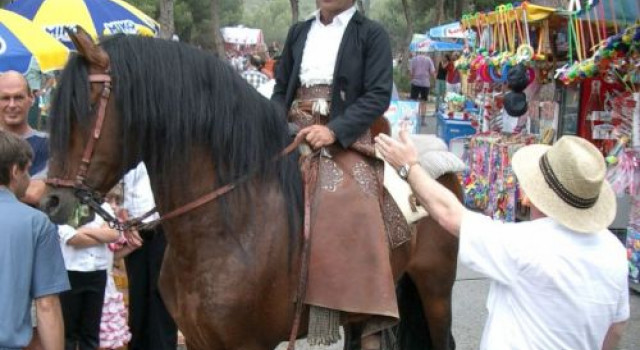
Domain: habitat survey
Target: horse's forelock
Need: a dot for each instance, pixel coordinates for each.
(70, 105)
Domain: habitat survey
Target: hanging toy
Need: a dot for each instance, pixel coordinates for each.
(612, 157)
(595, 107)
(525, 53)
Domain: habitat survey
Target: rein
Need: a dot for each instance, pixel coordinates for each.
(94, 199)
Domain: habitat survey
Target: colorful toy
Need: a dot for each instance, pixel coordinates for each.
(618, 53)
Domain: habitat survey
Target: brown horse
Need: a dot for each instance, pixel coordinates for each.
(231, 267)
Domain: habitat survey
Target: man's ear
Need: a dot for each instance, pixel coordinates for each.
(14, 173)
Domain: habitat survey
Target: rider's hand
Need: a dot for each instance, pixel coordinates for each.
(317, 136)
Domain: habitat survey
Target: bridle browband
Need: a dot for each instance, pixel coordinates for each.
(94, 199)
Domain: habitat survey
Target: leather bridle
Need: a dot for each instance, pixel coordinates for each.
(94, 198)
(82, 191)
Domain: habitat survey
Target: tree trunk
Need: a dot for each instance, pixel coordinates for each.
(166, 19)
(294, 11)
(409, 34)
(458, 8)
(218, 42)
(439, 11)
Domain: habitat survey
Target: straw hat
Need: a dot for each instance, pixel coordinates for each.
(566, 182)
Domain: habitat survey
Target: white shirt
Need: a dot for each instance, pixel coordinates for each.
(321, 49)
(138, 197)
(552, 288)
(88, 258)
(266, 89)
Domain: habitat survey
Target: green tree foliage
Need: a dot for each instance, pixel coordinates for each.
(193, 19)
(193, 24)
(390, 14)
(273, 16)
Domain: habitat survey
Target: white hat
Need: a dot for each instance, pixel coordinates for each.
(566, 182)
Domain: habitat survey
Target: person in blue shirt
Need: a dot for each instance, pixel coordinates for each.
(30, 256)
(15, 100)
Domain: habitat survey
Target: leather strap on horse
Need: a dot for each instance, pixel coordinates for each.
(309, 178)
(95, 135)
(136, 223)
(97, 130)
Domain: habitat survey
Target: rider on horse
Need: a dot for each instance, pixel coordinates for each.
(335, 80)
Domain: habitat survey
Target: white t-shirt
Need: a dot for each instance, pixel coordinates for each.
(321, 49)
(85, 259)
(552, 288)
(138, 196)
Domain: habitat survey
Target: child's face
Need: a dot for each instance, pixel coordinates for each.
(113, 202)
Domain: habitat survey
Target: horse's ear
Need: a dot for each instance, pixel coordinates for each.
(87, 48)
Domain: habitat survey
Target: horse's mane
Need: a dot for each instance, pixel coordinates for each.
(173, 97)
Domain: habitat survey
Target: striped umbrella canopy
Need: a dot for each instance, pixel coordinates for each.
(97, 17)
(21, 41)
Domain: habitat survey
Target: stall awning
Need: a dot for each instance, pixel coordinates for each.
(422, 43)
(242, 35)
(449, 31)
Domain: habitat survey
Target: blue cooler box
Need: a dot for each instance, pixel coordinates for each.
(448, 129)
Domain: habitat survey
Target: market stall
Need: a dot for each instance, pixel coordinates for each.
(502, 116)
(489, 182)
(583, 65)
(547, 42)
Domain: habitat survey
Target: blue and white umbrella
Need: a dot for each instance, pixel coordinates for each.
(97, 17)
(21, 41)
(450, 31)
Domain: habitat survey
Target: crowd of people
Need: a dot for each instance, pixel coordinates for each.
(57, 288)
(422, 71)
(559, 280)
(257, 67)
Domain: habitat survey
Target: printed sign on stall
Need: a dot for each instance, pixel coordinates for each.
(403, 111)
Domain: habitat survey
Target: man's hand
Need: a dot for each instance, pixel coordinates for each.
(397, 153)
(317, 136)
(132, 236)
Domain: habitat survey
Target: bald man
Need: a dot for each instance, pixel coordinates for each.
(15, 100)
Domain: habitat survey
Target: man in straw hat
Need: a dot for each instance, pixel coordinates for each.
(558, 281)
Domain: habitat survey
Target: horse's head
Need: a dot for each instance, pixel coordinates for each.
(85, 134)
